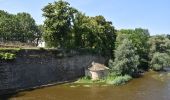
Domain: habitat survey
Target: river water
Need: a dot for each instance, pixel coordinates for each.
(152, 86)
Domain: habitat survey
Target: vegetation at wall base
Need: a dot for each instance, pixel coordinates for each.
(110, 80)
(120, 80)
(88, 80)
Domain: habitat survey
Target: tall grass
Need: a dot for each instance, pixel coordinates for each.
(119, 80)
(111, 79)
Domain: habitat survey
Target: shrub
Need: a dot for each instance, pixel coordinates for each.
(119, 80)
(85, 79)
(157, 67)
(159, 61)
(126, 60)
(7, 56)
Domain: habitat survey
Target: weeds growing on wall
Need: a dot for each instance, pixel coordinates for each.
(7, 56)
(8, 53)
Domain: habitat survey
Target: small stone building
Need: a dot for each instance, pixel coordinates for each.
(96, 71)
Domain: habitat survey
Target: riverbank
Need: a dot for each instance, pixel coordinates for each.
(148, 87)
(110, 79)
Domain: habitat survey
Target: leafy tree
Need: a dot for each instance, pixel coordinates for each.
(159, 43)
(94, 32)
(39, 34)
(159, 61)
(81, 30)
(105, 35)
(20, 27)
(159, 52)
(58, 23)
(27, 27)
(7, 26)
(65, 27)
(139, 38)
(126, 60)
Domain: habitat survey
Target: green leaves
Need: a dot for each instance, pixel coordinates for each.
(7, 56)
(20, 27)
(58, 24)
(139, 38)
(126, 60)
(159, 61)
(159, 52)
(65, 27)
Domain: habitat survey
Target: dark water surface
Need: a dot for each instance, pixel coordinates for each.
(152, 86)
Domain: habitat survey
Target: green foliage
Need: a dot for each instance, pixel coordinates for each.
(20, 27)
(126, 60)
(110, 79)
(119, 80)
(88, 80)
(65, 27)
(7, 56)
(27, 27)
(159, 43)
(8, 53)
(39, 34)
(159, 52)
(139, 38)
(159, 61)
(58, 20)
(94, 32)
(85, 79)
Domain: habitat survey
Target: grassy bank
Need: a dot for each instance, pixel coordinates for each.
(110, 79)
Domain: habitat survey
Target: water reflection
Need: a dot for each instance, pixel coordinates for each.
(152, 86)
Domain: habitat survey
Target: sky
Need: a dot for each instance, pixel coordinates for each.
(125, 14)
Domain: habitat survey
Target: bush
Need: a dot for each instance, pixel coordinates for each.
(111, 79)
(7, 56)
(157, 67)
(119, 80)
(85, 79)
(159, 61)
(126, 60)
(88, 80)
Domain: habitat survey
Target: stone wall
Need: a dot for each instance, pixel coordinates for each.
(33, 68)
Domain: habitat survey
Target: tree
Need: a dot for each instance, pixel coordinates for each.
(159, 43)
(139, 38)
(159, 53)
(20, 27)
(105, 35)
(58, 24)
(126, 60)
(27, 27)
(39, 34)
(8, 26)
(81, 30)
(159, 61)
(65, 27)
(94, 32)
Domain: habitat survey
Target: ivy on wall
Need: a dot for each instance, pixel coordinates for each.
(7, 56)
